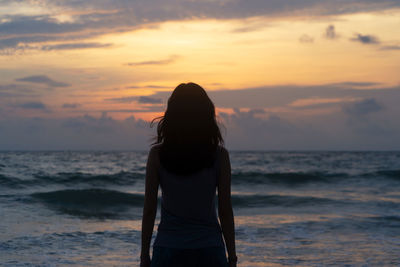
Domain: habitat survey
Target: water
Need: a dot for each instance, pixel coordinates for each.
(291, 208)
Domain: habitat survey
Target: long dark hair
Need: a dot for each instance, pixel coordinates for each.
(188, 132)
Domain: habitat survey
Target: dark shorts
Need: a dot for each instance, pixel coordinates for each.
(175, 257)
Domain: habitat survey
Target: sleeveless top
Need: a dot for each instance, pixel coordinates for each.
(188, 210)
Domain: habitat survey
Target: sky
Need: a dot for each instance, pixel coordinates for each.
(284, 75)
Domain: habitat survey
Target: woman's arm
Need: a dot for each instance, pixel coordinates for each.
(225, 212)
(150, 205)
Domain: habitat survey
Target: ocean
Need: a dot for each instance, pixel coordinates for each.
(291, 208)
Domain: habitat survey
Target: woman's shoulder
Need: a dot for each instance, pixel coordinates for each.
(222, 156)
(154, 154)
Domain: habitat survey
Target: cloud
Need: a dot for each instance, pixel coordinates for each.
(139, 99)
(13, 45)
(363, 107)
(32, 105)
(70, 105)
(330, 32)
(149, 100)
(74, 133)
(246, 129)
(151, 109)
(369, 117)
(318, 102)
(16, 89)
(390, 47)
(22, 33)
(250, 27)
(306, 39)
(150, 86)
(169, 60)
(13, 42)
(357, 84)
(42, 79)
(365, 39)
(126, 99)
(183, 9)
(91, 18)
(7, 87)
(22, 44)
(71, 46)
(40, 24)
(284, 95)
(7, 94)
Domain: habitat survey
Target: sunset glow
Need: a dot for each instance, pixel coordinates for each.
(61, 61)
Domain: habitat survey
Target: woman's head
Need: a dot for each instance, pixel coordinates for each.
(189, 126)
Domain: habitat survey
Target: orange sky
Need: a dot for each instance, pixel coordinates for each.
(63, 59)
(216, 53)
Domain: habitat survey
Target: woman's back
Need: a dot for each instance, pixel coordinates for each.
(188, 208)
(190, 196)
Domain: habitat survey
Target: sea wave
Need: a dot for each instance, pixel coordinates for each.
(102, 203)
(98, 203)
(73, 178)
(9, 181)
(120, 178)
(124, 178)
(130, 178)
(391, 174)
(279, 200)
(286, 177)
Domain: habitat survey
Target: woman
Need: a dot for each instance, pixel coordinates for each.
(190, 165)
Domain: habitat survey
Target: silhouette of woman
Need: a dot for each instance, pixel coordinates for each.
(189, 163)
